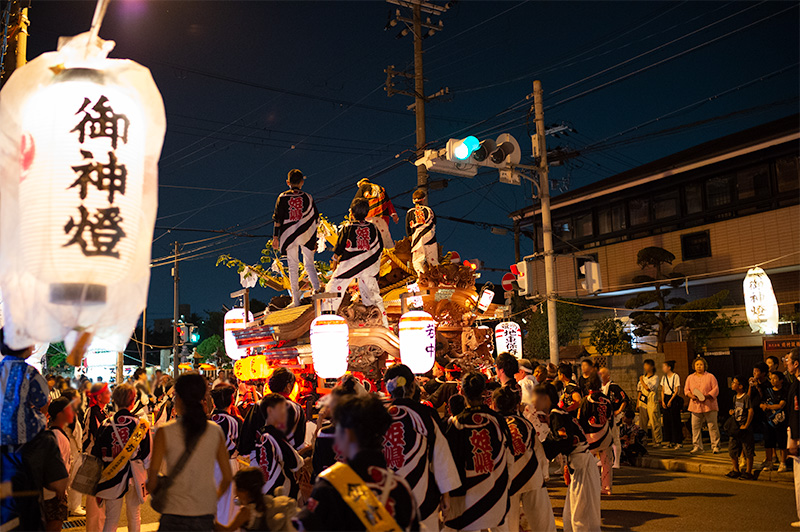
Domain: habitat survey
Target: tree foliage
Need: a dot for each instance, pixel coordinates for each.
(212, 350)
(608, 337)
(568, 322)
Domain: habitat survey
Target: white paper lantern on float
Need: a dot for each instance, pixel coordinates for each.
(760, 303)
(417, 341)
(330, 346)
(508, 338)
(234, 321)
(80, 138)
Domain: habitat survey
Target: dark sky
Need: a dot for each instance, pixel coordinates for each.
(253, 89)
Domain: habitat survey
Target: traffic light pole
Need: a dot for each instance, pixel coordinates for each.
(547, 225)
(419, 98)
(175, 316)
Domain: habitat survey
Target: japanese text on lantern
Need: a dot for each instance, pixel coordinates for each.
(99, 232)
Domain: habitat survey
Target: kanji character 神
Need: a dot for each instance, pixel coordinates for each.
(109, 176)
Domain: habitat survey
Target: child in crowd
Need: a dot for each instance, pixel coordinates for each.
(252, 515)
(632, 438)
(741, 441)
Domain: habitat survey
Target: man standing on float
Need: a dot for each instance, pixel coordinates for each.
(421, 228)
(380, 209)
(295, 232)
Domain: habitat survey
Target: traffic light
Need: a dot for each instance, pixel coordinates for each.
(592, 281)
(194, 334)
(524, 272)
(183, 332)
(474, 264)
(498, 153)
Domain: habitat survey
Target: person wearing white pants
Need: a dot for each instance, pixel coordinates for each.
(114, 509)
(702, 390)
(293, 254)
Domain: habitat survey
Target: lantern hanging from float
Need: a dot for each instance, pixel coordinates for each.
(485, 298)
(417, 336)
(80, 139)
(330, 346)
(234, 321)
(508, 338)
(760, 303)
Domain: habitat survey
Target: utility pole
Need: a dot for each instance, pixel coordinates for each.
(144, 337)
(17, 34)
(175, 316)
(540, 152)
(416, 25)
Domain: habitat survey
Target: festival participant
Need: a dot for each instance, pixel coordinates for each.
(439, 376)
(99, 397)
(295, 232)
(361, 422)
(222, 395)
(587, 370)
(380, 209)
(632, 438)
(619, 403)
(566, 438)
(570, 399)
(441, 397)
(123, 443)
(649, 401)
(415, 448)
(358, 256)
(421, 229)
(273, 454)
(507, 369)
(55, 506)
(325, 455)
(596, 417)
(527, 477)
(479, 441)
(144, 399)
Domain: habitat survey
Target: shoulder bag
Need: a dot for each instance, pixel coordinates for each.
(158, 497)
(774, 417)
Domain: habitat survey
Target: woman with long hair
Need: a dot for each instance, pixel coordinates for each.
(192, 498)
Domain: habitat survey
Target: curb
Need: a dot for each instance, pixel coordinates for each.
(699, 467)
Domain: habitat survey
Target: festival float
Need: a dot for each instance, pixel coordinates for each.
(442, 304)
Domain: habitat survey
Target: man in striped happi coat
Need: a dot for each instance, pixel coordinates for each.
(295, 231)
(596, 416)
(358, 256)
(277, 459)
(380, 209)
(415, 447)
(527, 478)
(421, 228)
(479, 441)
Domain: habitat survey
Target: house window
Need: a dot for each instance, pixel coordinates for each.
(696, 245)
(563, 229)
(787, 173)
(583, 226)
(611, 220)
(640, 211)
(753, 182)
(718, 191)
(694, 198)
(665, 206)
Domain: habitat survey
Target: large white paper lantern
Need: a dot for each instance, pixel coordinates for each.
(417, 341)
(330, 346)
(508, 338)
(234, 321)
(80, 138)
(760, 303)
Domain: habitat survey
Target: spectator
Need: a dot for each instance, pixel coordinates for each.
(741, 435)
(587, 370)
(122, 477)
(99, 397)
(775, 434)
(792, 361)
(74, 432)
(361, 422)
(758, 390)
(570, 399)
(619, 403)
(193, 495)
(632, 438)
(671, 405)
(649, 408)
(252, 515)
(567, 439)
(278, 460)
(702, 390)
(52, 384)
(55, 506)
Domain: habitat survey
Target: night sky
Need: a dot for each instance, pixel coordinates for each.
(254, 89)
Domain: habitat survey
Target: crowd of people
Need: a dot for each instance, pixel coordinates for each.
(457, 449)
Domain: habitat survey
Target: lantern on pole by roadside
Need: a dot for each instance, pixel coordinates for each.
(508, 338)
(760, 303)
(80, 139)
(234, 321)
(330, 346)
(417, 341)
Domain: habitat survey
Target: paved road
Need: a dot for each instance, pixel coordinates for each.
(656, 500)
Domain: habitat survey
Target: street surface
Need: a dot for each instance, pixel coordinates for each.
(649, 499)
